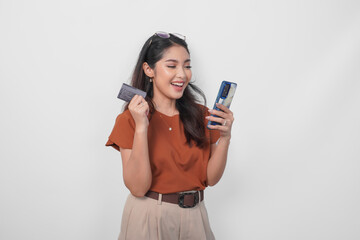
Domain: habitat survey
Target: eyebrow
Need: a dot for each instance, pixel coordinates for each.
(176, 61)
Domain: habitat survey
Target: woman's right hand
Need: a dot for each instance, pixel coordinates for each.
(136, 164)
(139, 110)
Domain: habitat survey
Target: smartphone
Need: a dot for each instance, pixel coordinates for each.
(224, 97)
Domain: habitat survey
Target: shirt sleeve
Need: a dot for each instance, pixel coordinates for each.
(122, 135)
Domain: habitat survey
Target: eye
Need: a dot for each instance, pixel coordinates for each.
(188, 67)
(171, 66)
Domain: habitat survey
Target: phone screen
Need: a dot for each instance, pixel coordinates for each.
(224, 97)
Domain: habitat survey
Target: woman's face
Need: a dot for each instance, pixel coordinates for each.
(172, 73)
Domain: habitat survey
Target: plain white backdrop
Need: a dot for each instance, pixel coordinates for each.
(293, 165)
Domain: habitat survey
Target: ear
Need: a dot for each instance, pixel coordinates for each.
(148, 70)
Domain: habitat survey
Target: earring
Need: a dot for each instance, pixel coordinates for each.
(151, 79)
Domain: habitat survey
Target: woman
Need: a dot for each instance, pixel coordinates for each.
(168, 154)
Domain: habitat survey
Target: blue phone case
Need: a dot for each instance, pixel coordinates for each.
(224, 97)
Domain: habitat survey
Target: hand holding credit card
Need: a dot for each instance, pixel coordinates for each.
(127, 92)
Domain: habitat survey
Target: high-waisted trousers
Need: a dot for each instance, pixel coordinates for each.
(149, 219)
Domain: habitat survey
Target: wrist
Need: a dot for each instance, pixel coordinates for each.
(225, 139)
(141, 129)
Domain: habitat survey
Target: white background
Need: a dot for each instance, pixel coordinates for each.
(293, 165)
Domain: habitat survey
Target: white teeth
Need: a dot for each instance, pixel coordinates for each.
(178, 84)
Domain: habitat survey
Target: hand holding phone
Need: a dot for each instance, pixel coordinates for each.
(224, 97)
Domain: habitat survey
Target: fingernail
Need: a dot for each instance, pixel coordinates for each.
(210, 110)
(207, 117)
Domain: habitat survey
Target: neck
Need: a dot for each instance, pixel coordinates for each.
(165, 106)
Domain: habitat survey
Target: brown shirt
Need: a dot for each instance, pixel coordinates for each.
(175, 166)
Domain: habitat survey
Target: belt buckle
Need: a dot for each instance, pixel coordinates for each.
(182, 197)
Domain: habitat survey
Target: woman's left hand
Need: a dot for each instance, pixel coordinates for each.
(225, 119)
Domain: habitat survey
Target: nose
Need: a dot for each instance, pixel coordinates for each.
(181, 73)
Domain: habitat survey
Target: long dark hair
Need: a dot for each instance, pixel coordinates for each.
(191, 113)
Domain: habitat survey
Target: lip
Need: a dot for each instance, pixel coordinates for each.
(177, 88)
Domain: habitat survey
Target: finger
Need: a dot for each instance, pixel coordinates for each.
(224, 108)
(215, 119)
(141, 98)
(136, 100)
(133, 101)
(142, 101)
(224, 122)
(218, 127)
(218, 113)
(142, 107)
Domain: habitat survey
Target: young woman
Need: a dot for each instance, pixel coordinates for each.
(168, 155)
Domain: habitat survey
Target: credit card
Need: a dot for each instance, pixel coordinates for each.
(127, 92)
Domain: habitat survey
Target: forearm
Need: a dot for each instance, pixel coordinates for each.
(217, 161)
(137, 171)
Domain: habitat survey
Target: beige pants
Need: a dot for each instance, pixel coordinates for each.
(146, 218)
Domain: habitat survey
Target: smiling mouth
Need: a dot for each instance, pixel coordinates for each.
(177, 84)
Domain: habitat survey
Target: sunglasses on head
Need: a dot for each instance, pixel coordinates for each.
(167, 35)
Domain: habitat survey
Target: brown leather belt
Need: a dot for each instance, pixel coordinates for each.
(183, 199)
